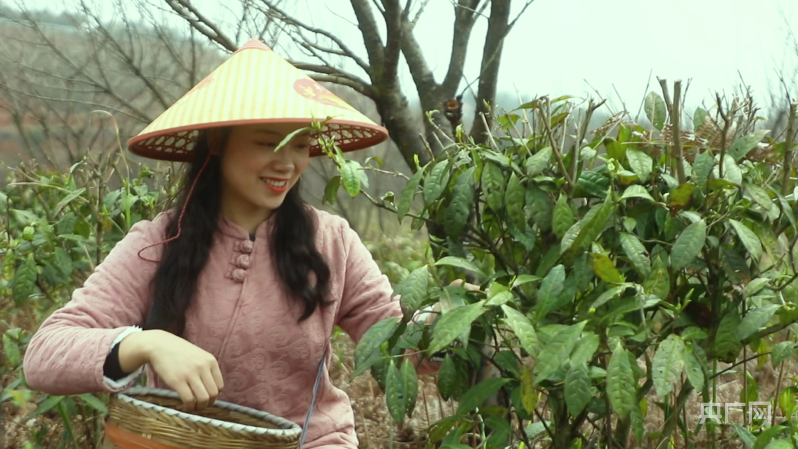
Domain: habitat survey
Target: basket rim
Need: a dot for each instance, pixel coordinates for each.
(287, 428)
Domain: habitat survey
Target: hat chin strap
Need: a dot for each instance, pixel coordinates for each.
(182, 214)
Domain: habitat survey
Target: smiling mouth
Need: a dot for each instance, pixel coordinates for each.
(277, 185)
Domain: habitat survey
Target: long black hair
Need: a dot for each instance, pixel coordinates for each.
(293, 248)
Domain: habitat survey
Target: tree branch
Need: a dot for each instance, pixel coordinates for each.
(288, 20)
(464, 19)
(489, 73)
(395, 17)
(419, 70)
(371, 36)
(199, 22)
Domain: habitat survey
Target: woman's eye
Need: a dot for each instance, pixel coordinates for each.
(301, 146)
(266, 144)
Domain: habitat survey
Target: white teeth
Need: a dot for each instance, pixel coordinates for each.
(275, 183)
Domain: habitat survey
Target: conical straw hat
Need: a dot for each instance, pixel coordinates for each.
(255, 85)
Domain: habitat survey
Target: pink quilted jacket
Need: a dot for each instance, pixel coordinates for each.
(241, 315)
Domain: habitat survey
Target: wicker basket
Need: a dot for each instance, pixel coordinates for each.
(148, 418)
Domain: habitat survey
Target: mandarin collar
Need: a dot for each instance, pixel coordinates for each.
(232, 229)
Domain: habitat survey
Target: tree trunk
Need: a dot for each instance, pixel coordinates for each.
(498, 27)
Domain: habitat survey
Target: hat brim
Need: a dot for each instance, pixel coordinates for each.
(177, 144)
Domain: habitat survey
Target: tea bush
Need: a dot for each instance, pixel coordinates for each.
(596, 249)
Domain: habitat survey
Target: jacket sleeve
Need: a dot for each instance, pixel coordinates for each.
(368, 295)
(68, 352)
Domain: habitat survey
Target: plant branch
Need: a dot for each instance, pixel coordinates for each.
(788, 141)
(675, 114)
(199, 22)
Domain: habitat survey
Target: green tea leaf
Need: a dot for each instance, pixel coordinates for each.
(702, 167)
(538, 162)
(605, 269)
(609, 295)
(621, 385)
(458, 263)
(584, 351)
(408, 193)
(780, 444)
(682, 195)
(698, 118)
(640, 163)
(435, 183)
(695, 373)
(371, 341)
(749, 239)
(658, 282)
(689, 245)
(523, 329)
(583, 272)
(493, 184)
(755, 319)
(782, 352)
(742, 146)
(48, 404)
(480, 393)
(550, 291)
(727, 345)
(555, 354)
(514, 202)
(636, 253)
(594, 227)
(350, 175)
(409, 378)
(63, 261)
(526, 238)
(655, 111)
(94, 402)
(668, 364)
(592, 183)
(24, 280)
(331, 190)
(759, 196)
(68, 199)
(745, 435)
(413, 290)
(766, 436)
(539, 206)
(11, 349)
(452, 324)
(563, 217)
(529, 398)
(577, 389)
(462, 199)
(500, 433)
(395, 395)
(731, 171)
(636, 191)
(452, 382)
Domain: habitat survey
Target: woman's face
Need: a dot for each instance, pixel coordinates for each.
(255, 177)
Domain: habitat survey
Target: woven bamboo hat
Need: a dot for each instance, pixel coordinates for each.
(255, 85)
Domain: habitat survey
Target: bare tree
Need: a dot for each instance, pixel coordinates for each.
(54, 73)
(381, 62)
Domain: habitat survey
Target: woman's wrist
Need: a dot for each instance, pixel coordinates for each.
(135, 350)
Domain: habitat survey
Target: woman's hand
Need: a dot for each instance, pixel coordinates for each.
(464, 284)
(186, 368)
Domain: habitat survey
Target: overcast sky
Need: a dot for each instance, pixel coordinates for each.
(559, 46)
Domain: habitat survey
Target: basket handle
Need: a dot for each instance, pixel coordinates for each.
(319, 376)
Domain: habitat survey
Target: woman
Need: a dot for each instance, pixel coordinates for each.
(237, 289)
